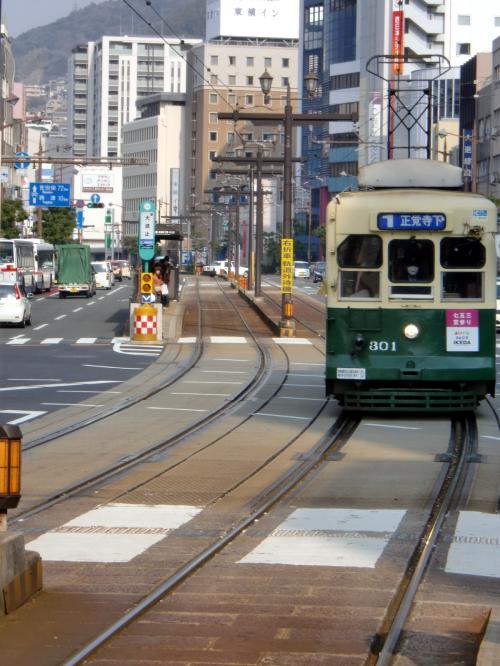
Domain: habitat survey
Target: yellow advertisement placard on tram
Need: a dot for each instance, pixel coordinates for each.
(286, 265)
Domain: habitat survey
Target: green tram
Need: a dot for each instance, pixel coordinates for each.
(411, 291)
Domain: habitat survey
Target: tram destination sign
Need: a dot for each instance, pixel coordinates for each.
(411, 221)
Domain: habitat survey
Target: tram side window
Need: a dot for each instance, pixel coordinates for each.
(411, 260)
(355, 252)
(462, 253)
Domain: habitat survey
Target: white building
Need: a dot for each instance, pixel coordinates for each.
(106, 78)
(158, 137)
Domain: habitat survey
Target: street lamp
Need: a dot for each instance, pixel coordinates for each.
(287, 324)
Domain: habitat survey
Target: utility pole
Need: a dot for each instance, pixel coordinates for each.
(39, 212)
(287, 119)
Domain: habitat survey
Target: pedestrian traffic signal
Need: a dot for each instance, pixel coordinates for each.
(146, 283)
(95, 205)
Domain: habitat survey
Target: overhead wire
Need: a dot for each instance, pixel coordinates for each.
(175, 50)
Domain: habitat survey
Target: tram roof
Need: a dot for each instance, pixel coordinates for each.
(409, 173)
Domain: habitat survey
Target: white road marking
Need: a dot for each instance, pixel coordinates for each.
(37, 386)
(292, 341)
(227, 339)
(31, 379)
(474, 550)
(188, 381)
(182, 341)
(108, 367)
(221, 395)
(227, 372)
(69, 404)
(178, 409)
(387, 425)
(96, 391)
(112, 533)
(85, 341)
(328, 537)
(18, 341)
(101, 298)
(37, 328)
(490, 437)
(60, 317)
(282, 416)
(51, 341)
(91, 303)
(77, 309)
(321, 365)
(28, 415)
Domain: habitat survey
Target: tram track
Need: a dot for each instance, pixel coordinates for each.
(450, 494)
(330, 442)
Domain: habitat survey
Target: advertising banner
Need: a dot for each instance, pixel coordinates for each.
(397, 40)
(286, 265)
(266, 19)
(97, 181)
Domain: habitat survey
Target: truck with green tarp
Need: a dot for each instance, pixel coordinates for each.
(74, 270)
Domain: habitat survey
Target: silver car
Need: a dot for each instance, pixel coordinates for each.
(15, 305)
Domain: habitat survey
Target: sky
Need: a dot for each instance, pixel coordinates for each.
(22, 15)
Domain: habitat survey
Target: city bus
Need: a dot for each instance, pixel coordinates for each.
(32, 259)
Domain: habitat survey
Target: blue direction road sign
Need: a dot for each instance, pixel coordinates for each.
(50, 194)
(21, 164)
(95, 198)
(79, 219)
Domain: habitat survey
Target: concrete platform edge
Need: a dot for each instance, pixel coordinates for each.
(20, 572)
(269, 321)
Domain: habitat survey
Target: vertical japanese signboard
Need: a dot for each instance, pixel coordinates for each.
(397, 37)
(147, 218)
(286, 265)
(467, 155)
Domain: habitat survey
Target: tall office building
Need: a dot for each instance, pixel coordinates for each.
(106, 79)
(341, 36)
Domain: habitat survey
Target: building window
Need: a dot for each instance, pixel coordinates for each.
(342, 81)
(463, 19)
(249, 80)
(249, 99)
(250, 61)
(232, 60)
(213, 117)
(213, 98)
(497, 21)
(285, 62)
(233, 100)
(214, 60)
(212, 175)
(212, 136)
(463, 48)
(268, 62)
(212, 154)
(213, 79)
(230, 138)
(285, 81)
(232, 80)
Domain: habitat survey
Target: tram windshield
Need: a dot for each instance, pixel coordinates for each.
(411, 260)
(355, 252)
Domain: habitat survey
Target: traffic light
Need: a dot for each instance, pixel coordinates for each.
(146, 283)
(95, 205)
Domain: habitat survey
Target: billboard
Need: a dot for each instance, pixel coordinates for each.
(97, 181)
(267, 19)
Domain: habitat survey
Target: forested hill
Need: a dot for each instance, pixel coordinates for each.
(41, 54)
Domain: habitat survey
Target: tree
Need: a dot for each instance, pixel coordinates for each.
(272, 250)
(13, 214)
(320, 232)
(58, 225)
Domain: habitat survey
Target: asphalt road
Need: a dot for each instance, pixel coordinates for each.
(73, 350)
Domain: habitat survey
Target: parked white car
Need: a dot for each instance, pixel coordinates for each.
(15, 305)
(103, 275)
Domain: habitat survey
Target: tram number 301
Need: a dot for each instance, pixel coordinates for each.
(382, 346)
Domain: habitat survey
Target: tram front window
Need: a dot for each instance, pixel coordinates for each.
(411, 260)
(360, 251)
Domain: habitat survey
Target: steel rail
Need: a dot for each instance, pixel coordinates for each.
(337, 435)
(417, 565)
(143, 455)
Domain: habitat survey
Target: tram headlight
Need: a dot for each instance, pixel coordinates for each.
(411, 331)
